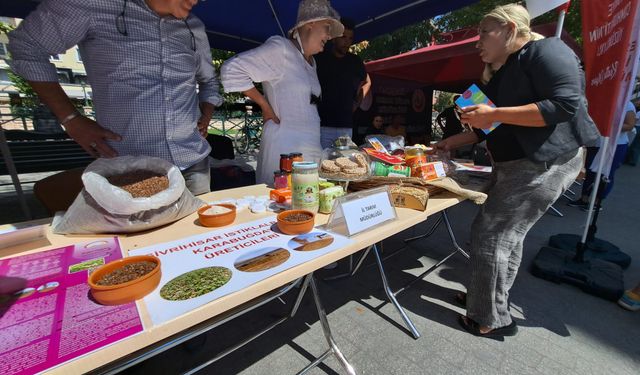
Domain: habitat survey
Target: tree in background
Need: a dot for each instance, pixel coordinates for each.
(444, 100)
(426, 32)
(28, 96)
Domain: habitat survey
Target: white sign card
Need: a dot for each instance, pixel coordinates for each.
(540, 7)
(361, 211)
(199, 269)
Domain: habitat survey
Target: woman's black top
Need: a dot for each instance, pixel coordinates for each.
(545, 72)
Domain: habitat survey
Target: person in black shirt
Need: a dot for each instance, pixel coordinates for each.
(538, 89)
(449, 121)
(344, 83)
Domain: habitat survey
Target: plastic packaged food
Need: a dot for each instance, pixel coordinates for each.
(328, 196)
(280, 195)
(325, 184)
(381, 169)
(344, 163)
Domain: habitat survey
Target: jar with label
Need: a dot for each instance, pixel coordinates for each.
(414, 157)
(285, 162)
(305, 186)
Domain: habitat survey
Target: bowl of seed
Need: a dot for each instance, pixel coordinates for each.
(125, 280)
(296, 221)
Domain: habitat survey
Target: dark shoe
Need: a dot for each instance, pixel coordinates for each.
(461, 299)
(473, 328)
(578, 203)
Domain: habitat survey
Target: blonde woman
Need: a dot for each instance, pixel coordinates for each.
(538, 88)
(287, 70)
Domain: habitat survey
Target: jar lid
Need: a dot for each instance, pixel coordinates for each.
(295, 154)
(305, 165)
(285, 155)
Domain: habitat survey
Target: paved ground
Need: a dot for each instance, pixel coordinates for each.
(562, 330)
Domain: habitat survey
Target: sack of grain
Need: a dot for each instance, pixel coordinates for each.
(127, 194)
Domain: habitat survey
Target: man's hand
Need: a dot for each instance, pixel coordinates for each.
(206, 110)
(480, 116)
(92, 137)
(269, 114)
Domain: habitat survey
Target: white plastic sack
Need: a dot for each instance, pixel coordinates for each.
(104, 208)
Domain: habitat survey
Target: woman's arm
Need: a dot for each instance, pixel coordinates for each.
(457, 141)
(267, 111)
(481, 116)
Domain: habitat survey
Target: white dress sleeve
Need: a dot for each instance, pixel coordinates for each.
(261, 64)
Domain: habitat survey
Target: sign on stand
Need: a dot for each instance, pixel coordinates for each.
(362, 211)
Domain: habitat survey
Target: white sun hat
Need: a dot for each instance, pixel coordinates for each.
(318, 10)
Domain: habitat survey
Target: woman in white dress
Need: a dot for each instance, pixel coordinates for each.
(287, 70)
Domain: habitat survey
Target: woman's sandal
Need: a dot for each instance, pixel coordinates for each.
(473, 328)
(461, 299)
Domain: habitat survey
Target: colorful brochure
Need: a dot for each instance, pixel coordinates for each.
(472, 96)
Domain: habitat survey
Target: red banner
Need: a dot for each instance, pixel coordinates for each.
(608, 31)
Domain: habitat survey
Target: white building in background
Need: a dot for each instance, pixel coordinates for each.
(71, 72)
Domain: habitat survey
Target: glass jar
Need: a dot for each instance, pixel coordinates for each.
(296, 157)
(414, 158)
(285, 162)
(304, 179)
(280, 180)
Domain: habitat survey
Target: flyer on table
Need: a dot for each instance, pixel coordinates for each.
(199, 269)
(46, 314)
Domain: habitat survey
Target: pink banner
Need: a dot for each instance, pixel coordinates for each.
(47, 316)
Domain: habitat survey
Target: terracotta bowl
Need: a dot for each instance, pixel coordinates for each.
(126, 292)
(217, 220)
(297, 227)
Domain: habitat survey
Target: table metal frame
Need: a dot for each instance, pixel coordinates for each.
(182, 337)
(391, 294)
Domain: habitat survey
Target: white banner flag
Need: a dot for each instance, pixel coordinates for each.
(538, 7)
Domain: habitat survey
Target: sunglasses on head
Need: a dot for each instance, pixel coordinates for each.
(121, 25)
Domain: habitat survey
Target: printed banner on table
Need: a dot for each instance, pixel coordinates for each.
(199, 269)
(46, 314)
(610, 32)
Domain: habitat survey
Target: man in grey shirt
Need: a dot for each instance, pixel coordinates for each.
(149, 65)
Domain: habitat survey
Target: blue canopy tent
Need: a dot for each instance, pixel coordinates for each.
(241, 25)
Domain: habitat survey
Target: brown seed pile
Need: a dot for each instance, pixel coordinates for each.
(297, 217)
(127, 273)
(140, 183)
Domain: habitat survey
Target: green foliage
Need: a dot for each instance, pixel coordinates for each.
(469, 16)
(445, 99)
(219, 56)
(405, 39)
(421, 34)
(29, 97)
(572, 20)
